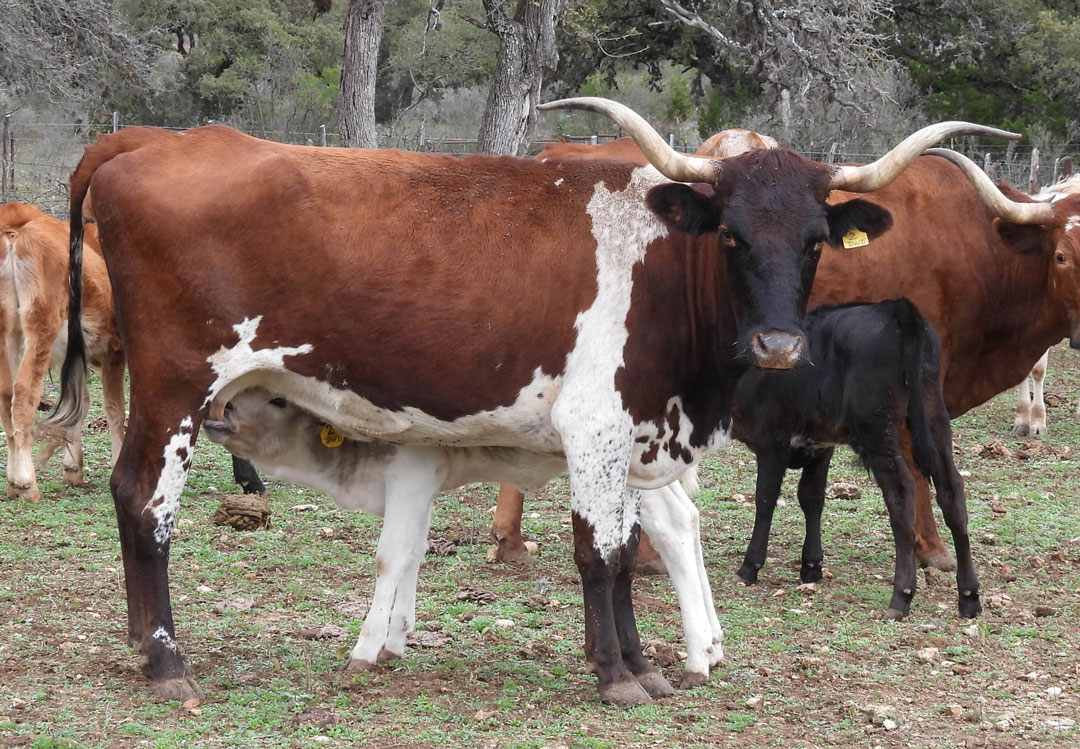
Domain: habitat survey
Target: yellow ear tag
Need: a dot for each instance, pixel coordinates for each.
(331, 437)
(855, 238)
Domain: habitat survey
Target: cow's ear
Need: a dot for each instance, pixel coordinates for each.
(1020, 237)
(684, 208)
(859, 214)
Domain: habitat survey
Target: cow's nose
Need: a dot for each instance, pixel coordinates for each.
(777, 349)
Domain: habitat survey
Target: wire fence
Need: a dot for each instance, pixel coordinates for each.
(38, 157)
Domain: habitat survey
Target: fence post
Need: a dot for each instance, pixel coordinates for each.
(832, 153)
(6, 157)
(322, 135)
(1066, 167)
(671, 139)
(986, 163)
(592, 139)
(1033, 177)
(115, 121)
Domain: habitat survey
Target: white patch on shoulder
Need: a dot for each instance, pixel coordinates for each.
(654, 468)
(596, 430)
(164, 638)
(229, 364)
(166, 499)
(559, 181)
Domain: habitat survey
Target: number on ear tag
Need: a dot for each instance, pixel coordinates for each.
(855, 238)
(331, 437)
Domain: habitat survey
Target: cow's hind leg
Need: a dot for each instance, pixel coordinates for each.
(812, 501)
(506, 527)
(146, 484)
(410, 490)
(953, 503)
(1030, 415)
(673, 521)
(929, 546)
(897, 485)
(71, 460)
(112, 396)
(26, 394)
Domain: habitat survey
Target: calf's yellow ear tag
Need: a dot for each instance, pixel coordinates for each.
(331, 437)
(855, 238)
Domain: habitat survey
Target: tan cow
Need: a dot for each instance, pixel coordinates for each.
(33, 313)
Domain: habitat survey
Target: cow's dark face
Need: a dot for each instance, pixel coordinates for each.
(769, 212)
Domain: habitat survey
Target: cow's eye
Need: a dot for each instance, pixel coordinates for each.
(727, 239)
(279, 403)
(1060, 257)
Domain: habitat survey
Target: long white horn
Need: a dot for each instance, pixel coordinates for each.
(1006, 208)
(883, 171)
(669, 162)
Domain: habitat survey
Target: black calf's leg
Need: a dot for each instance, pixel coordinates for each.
(771, 465)
(626, 626)
(898, 487)
(246, 476)
(812, 501)
(950, 497)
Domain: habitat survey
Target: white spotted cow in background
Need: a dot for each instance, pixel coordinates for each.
(1030, 416)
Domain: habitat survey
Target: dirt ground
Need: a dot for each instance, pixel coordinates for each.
(266, 618)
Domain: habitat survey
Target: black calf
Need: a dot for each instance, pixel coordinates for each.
(875, 373)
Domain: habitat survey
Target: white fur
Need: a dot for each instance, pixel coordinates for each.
(166, 499)
(230, 364)
(1030, 415)
(671, 520)
(164, 638)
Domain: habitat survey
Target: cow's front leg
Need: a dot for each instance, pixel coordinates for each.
(146, 485)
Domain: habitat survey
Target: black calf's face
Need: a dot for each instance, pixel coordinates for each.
(769, 211)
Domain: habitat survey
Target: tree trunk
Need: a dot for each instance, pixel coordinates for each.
(526, 51)
(356, 99)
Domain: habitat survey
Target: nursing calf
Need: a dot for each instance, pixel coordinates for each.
(33, 311)
(400, 482)
(875, 372)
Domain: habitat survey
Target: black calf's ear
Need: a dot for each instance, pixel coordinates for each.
(684, 208)
(860, 215)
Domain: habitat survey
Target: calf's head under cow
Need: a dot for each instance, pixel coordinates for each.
(769, 212)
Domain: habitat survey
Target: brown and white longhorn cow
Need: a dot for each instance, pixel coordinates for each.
(359, 284)
(996, 273)
(33, 309)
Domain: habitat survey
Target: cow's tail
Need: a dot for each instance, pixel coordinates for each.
(72, 405)
(919, 352)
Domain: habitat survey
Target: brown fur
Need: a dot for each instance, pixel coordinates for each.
(33, 307)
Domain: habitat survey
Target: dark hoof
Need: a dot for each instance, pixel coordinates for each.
(810, 573)
(180, 688)
(746, 576)
(939, 560)
(1019, 430)
(356, 665)
(969, 606)
(650, 567)
(388, 655)
(655, 684)
(627, 692)
(692, 679)
(895, 615)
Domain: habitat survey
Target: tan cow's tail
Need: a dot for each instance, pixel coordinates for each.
(72, 405)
